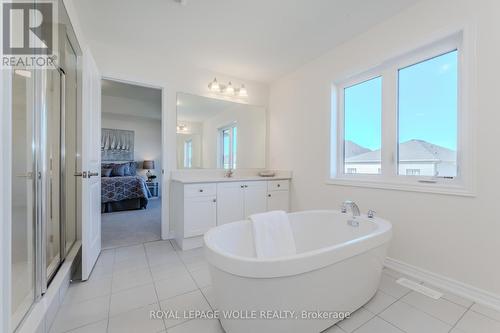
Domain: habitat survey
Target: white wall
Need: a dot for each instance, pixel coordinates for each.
(135, 66)
(457, 237)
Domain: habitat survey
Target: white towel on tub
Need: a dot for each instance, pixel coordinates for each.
(273, 235)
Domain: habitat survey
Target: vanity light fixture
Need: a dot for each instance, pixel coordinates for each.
(182, 128)
(227, 90)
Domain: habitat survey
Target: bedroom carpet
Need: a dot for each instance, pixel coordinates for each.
(132, 227)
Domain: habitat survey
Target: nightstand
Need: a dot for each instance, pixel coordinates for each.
(153, 188)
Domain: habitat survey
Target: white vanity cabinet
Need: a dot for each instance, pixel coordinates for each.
(231, 202)
(197, 207)
(194, 212)
(238, 200)
(278, 197)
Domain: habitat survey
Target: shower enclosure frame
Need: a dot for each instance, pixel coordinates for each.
(37, 210)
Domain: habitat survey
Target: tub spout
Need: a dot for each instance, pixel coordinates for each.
(352, 206)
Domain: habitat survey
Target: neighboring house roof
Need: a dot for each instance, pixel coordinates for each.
(410, 151)
(353, 149)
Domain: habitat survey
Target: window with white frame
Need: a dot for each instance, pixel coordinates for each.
(188, 154)
(228, 146)
(402, 119)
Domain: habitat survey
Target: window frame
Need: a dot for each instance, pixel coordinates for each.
(220, 137)
(463, 183)
(188, 158)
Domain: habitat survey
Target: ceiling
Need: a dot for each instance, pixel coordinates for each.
(257, 40)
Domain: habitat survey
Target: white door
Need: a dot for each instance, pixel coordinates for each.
(255, 198)
(199, 215)
(230, 202)
(278, 200)
(91, 165)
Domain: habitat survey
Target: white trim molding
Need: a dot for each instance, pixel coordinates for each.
(462, 289)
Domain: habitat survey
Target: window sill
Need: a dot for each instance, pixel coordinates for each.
(402, 186)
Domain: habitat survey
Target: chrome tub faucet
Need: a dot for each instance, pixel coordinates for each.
(352, 206)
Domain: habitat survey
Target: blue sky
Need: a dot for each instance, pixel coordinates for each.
(427, 105)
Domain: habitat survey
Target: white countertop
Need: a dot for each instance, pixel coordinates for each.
(202, 179)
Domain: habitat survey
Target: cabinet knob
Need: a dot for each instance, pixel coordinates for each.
(242, 186)
(201, 190)
(279, 185)
(214, 200)
(269, 195)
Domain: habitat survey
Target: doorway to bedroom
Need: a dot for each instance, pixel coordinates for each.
(131, 157)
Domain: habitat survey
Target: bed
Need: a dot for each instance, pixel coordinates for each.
(122, 190)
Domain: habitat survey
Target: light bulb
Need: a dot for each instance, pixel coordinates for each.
(230, 89)
(214, 86)
(243, 91)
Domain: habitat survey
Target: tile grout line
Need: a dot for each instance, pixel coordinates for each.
(483, 314)
(432, 315)
(386, 307)
(154, 285)
(463, 315)
(189, 272)
(392, 324)
(429, 314)
(111, 291)
(91, 299)
(86, 324)
(196, 283)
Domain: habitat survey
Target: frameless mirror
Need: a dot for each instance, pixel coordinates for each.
(214, 133)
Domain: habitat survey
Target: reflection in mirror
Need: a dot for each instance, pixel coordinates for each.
(213, 133)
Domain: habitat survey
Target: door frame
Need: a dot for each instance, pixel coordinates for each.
(165, 179)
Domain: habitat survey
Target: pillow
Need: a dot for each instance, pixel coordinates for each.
(126, 171)
(133, 168)
(106, 172)
(118, 170)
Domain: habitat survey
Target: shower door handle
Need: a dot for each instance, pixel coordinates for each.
(80, 174)
(28, 175)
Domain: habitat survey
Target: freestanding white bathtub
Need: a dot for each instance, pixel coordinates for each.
(337, 269)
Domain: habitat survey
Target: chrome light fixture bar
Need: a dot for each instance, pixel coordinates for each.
(227, 90)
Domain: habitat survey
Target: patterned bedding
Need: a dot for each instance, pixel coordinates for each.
(121, 188)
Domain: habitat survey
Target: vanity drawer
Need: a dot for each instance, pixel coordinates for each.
(278, 185)
(197, 190)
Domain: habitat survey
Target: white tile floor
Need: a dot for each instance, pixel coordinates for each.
(128, 282)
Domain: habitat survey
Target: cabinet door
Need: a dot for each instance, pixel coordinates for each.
(255, 197)
(230, 202)
(278, 200)
(199, 215)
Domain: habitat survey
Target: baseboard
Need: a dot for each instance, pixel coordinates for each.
(475, 294)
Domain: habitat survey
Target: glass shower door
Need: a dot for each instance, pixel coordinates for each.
(23, 189)
(53, 173)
